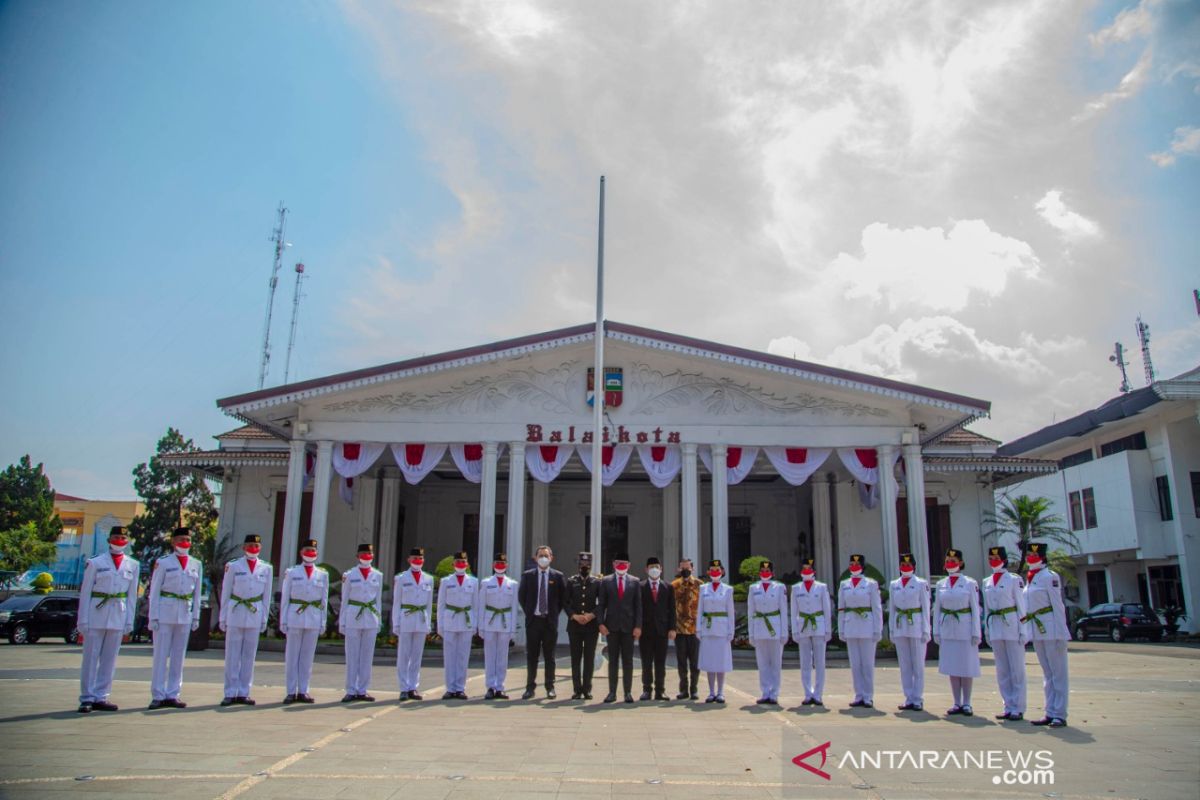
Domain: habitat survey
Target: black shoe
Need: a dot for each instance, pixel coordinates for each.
(291, 698)
(550, 694)
(305, 698)
(611, 697)
(968, 711)
(1057, 722)
(490, 694)
(587, 695)
(577, 695)
(719, 699)
(682, 696)
(808, 701)
(950, 712)
(403, 696)
(695, 695)
(349, 698)
(771, 701)
(246, 701)
(527, 694)
(157, 704)
(414, 696)
(867, 704)
(84, 708)
(460, 695)
(1002, 716)
(645, 696)
(103, 705)
(228, 701)
(1042, 721)
(449, 696)
(762, 701)
(1016, 716)
(628, 697)
(662, 696)
(817, 702)
(501, 696)
(366, 698)
(856, 703)
(712, 698)
(175, 703)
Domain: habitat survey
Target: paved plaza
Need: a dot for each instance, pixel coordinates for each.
(1134, 733)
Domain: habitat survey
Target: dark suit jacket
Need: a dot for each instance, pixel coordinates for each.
(658, 618)
(620, 614)
(556, 592)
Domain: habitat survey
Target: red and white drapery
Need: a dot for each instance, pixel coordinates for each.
(351, 459)
(546, 461)
(662, 463)
(469, 459)
(863, 464)
(310, 466)
(615, 458)
(417, 460)
(346, 490)
(796, 464)
(738, 462)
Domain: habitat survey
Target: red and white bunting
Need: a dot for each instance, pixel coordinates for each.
(469, 459)
(738, 462)
(351, 459)
(417, 460)
(346, 491)
(615, 458)
(796, 464)
(863, 464)
(546, 461)
(310, 466)
(661, 462)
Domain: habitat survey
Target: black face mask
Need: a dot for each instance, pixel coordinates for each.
(685, 573)
(584, 570)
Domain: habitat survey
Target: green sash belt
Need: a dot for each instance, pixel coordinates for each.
(708, 617)
(955, 612)
(1001, 612)
(304, 604)
(104, 597)
(862, 611)
(411, 608)
(908, 614)
(187, 598)
(465, 610)
(501, 612)
(363, 606)
(1032, 616)
(248, 602)
(765, 617)
(809, 619)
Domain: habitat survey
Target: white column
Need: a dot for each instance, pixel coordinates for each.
(690, 511)
(539, 525)
(322, 473)
(291, 508)
(389, 517)
(822, 528)
(515, 544)
(365, 487)
(887, 504)
(914, 488)
(720, 509)
(670, 523)
(487, 507)
(846, 497)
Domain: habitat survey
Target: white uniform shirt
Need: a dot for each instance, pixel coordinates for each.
(859, 625)
(412, 602)
(771, 601)
(102, 577)
(358, 589)
(997, 596)
(498, 596)
(185, 582)
(1045, 589)
(814, 602)
(963, 597)
(254, 587)
(300, 587)
(460, 595)
(717, 601)
(910, 595)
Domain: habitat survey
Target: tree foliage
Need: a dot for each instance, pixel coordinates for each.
(22, 548)
(1028, 519)
(29, 527)
(172, 498)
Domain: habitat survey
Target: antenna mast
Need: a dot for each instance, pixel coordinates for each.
(1143, 332)
(280, 244)
(287, 364)
(1118, 358)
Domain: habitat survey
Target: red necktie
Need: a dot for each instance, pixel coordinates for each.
(117, 557)
(620, 588)
(252, 564)
(460, 579)
(953, 580)
(499, 581)
(904, 581)
(182, 561)
(308, 569)
(654, 591)
(417, 577)
(366, 571)
(854, 581)
(996, 578)
(808, 586)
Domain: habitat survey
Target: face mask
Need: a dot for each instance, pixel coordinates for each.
(118, 546)
(952, 568)
(180, 550)
(1034, 565)
(309, 559)
(654, 572)
(855, 572)
(906, 570)
(685, 573)
(183, 546)
(252, 553)
(499, 569)
(584, 569)
(715, 575)
(460, 567)
(766, 576)
(621, 569)
(364, 562)
(543, 562)
(808, 574)
(416, 563)
(997, 566)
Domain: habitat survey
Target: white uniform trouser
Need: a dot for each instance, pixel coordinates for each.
(862, 667)
(769, 655)
(100, 647)
(910, 651)
(409, 649)
(456, 649)
(360, 656)
(812, 666)
(170, 642)
(1010, 674)
(495, 658)
(241, 648)
(1052, 655)
(298, 658)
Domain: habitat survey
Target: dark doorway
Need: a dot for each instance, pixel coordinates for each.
(277, 534)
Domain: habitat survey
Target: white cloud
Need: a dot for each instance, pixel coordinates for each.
(1186, 142)
(1130, 85)
(1130, 23)
(1070, 224)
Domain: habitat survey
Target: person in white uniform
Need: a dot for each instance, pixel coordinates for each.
(1004, 607)
(1046, 626)
(245, 604)
(457, 594)
(956, 629)
(358, 620)
(412, 611)
(910, 631)
(767, 618)
(812, 628)
(174, 614)
(303, 605)
(496, 621)
(107, 599)
(860, 626)
(715, 628)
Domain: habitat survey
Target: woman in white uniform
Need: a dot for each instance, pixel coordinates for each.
(714, 627)
(956, 629)
(860, 626)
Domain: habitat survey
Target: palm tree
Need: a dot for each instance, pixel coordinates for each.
(1028, 518)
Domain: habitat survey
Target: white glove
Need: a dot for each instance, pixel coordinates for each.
(283, 629)
(828, 637)
(341, 629)
(128, 630)
(195, 624)
(153, 625)
(263, 629)
(937, 640)
(974, 641)
(926, 638)
(224, 626)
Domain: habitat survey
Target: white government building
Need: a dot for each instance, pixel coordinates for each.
(488, 449)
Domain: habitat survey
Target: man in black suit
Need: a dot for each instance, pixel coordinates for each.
(619, 610)
(541, 596)
(658, 627)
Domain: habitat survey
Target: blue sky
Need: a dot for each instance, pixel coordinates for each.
(980, 201)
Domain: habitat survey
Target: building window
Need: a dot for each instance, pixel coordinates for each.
(615, 537)
(1076, 511)
(1089, 508)
(1097, 586)
(1163, 485)
(1196, 493)
(1136, 441)
(1083, 509)
(470, 538)
(1082, 457)
(1165, 586)
(739, 543)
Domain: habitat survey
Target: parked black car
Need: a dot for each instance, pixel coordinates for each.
(1118, 621)
(25, 618)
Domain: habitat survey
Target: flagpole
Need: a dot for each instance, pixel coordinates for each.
(598, 386)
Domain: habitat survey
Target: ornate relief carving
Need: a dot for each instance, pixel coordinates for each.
(657, 391)
(538, 390)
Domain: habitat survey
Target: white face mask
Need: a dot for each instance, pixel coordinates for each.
(654, 572)
(181, 551)
(309, 559)
(499, 570)
(952, 570)
(460, 570)
(1034, 567)
(251, 556)
(998, 569)
(364, 562)
(543, 561)
(112, 548)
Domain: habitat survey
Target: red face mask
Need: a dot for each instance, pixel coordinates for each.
(460, 565)
(118, 542)
(186, 545)
(365, 557)
(952, 565)
(499, 567)
(766, 576)
(855, 571)
(995, 562)
(416, 563)
(715, 574)
(252, 550)
(807, 574)
(906, 569)
(1034, 563)
(308, 553)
